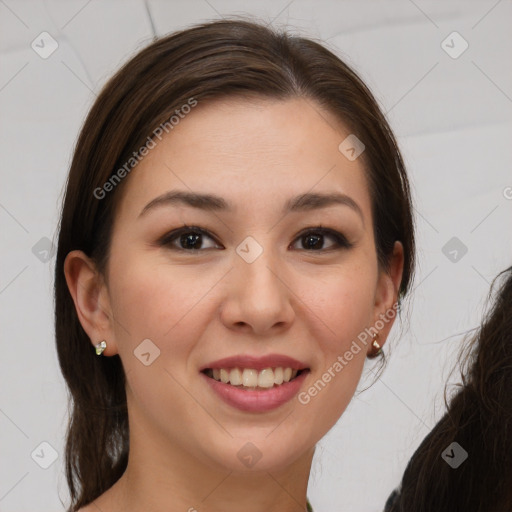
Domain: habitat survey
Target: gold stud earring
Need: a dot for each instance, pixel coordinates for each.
(377, 348)
(100, 347)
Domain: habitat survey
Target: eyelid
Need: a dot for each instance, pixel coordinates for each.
(340, 239)
(175, 233)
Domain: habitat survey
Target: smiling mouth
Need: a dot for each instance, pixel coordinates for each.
(252, 379)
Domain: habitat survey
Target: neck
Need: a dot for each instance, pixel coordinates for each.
(175, 479)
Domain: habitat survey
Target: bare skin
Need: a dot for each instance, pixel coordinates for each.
(198, 306)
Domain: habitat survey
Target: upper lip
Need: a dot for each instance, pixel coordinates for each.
(256, 362)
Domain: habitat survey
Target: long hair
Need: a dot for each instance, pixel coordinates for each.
(219, 59)
(479, 420)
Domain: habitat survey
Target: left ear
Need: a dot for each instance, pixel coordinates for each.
(386, 295)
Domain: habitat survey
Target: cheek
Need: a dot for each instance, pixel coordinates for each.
(163, 304)
(342, 304)
(160, 303)
(343, 308)
(153, 298)
(350, 309)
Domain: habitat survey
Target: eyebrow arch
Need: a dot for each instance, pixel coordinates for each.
(210, 202)
(311, 201)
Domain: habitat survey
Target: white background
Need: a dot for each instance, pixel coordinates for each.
(452, 118)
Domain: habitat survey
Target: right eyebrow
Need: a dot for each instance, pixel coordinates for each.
(202, 201)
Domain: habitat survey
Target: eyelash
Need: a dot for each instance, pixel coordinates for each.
(340, 241)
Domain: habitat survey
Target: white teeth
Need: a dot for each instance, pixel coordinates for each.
(266, 378)
(251, 378)
(235, 377)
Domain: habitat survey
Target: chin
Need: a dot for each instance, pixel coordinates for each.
(245, 455)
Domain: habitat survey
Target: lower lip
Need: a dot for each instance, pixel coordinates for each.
(257, 401)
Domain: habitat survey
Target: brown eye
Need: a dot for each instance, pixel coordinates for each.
(187, 238)
(313, 239)
(192, 239)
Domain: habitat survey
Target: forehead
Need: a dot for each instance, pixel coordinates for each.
(252, 152)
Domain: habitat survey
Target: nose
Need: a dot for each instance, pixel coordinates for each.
(257, 297)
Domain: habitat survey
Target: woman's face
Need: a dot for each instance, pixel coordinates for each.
(257, 279)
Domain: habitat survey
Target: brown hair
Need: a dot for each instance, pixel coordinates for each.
(479, 419)
(218, 59)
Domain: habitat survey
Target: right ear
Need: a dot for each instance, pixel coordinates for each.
(92, 302)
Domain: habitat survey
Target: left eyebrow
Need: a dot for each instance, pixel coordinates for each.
(312, 201)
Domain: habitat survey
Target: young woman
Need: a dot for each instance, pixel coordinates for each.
(235, 237)
(465, 463)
